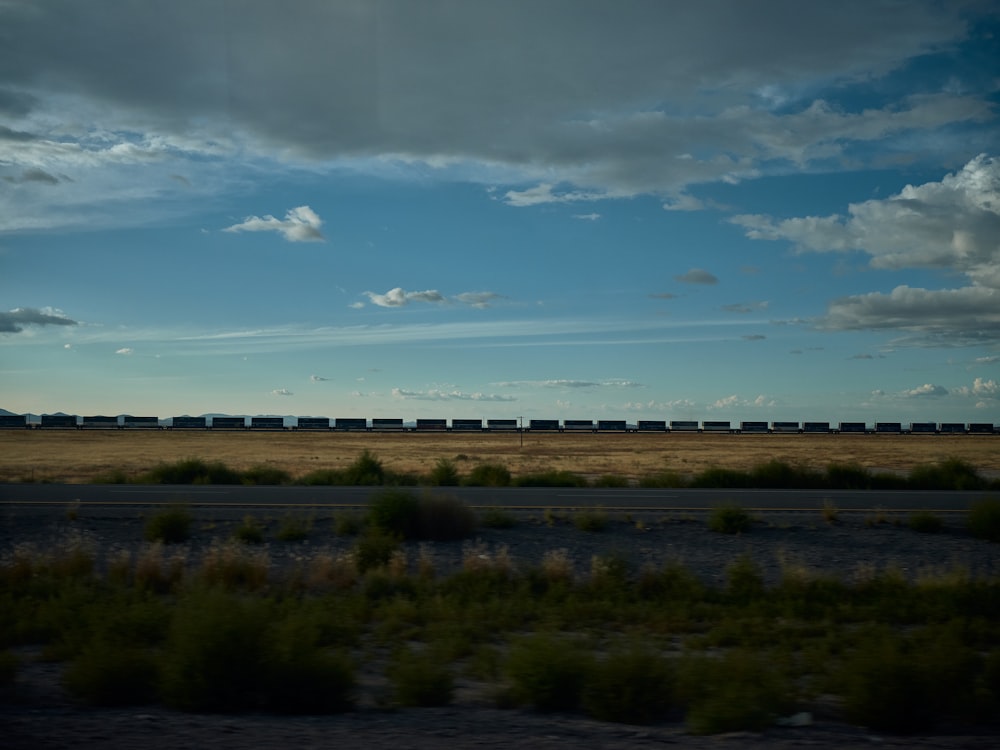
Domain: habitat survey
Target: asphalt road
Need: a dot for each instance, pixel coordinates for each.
(505, 497)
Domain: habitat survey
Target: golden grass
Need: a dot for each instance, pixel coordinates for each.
(71, 456)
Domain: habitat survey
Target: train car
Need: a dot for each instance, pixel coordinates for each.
(59, 422)
(852, 428)
(816, 428)
(360, 424)
(612, 425)
(393, 424)
(754, 428)
(467, 425)
(923, 428)
(189, 423)
(578, 425)
(651, 425)
(787, 428)
(99, 422)
(544, 425)
(432, 425)
(501, 425)
(130, 422)
(13, 422)
(716, 426)
(981, 428)
(952, 428)
(267, 423)
(888, 428)
(312, 423)
(684, 425)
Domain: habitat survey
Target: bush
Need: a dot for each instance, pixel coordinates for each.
(632, 685)
(949, 474)
(738, 691)
(776, 474)
(396, 512)
(848, 477)
(249, 532)
(444, 518)
(194, 471)
(171, 526)
(663, 479)
(367, 469)
(323, 478)
(375, 548)
(270, 475)
(551, 479)
(419, 679)
(495, 518)
(107, 674)
(717, 477)
(294, 529)
(444, 474)
(729, 519)
(548, 672)
(926, 522)
(488, 475)
(611, 480)
(984, 519)
(591, 520)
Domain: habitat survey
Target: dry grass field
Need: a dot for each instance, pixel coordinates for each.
(71, 456)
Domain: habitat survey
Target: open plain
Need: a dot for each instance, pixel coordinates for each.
(73, 456)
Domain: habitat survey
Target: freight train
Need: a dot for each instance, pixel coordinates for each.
(363, 424)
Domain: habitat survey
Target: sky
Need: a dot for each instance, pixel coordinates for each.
(571, 209)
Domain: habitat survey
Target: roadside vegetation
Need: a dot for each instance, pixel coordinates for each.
(228, 631)
(369, 470)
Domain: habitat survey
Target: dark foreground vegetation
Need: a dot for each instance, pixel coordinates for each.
(369, 470)
(230, 632)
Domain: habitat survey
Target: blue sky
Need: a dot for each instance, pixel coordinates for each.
(570, 209)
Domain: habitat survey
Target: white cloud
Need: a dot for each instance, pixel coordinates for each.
(734, 401)
(611, 383)
(442, 395)
(587, 217)
(317, 379)
(980, 388)
(479, 300)
(300, 224)
(952, 224)
(281, 392)
(697, 276)
(925, 390)
(125, 351)
(399, 297)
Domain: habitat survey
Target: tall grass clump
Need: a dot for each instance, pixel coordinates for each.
(444, 474)
(497, 518)
(590, 520)
(193, 471)
(548, 672)
(418, 678)
(847, 477)
(925, 522)
(984, 519)
(551, 479)
(738, 691)
(729, 519)
(949, 474)
(488, 475)
(266, 475)
(293, 529)
(249, 532)
(631, 684)
(367, 469)
(170, 526)
(777, 474)
(396, 512)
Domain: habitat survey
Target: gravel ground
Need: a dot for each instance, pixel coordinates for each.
(40, 715)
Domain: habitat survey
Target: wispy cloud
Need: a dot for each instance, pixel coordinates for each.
(300, 224)
(125, 351)
(445, 395)
(697, 276)
(281, 392)
(399, 297)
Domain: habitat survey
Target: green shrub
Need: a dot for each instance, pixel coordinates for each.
(739, 691)
(718, 477)
(776, 474)
(488, 475)
(443, 518)
(374, 548)
(367, 469)
(170, 526)
(294, 529)
(632, 685)
(551, 479)
(396, 512)
(444, 474)
(194, 471)
(590, 520)
(926, 522)
(323, 478)
(495, 518)
(611, 480)
(744, 580)
(249, 532)
(663, 479)
(420, 679)
(548, 672)
(109, 674)
(269, 475)
(949, 474)
(847, 477)
(348, 524)
(984, 519)
(303, 677)
(729, 519)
